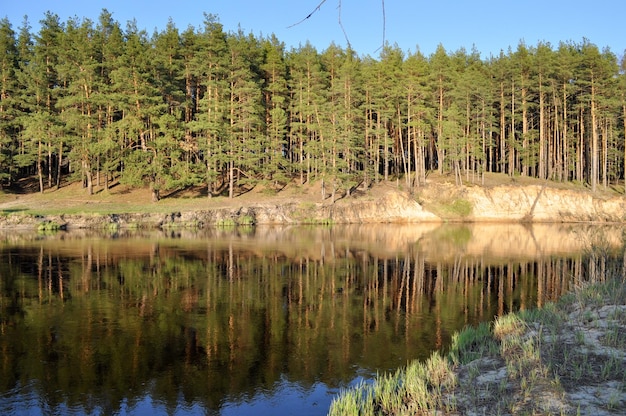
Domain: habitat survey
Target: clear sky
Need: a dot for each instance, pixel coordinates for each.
(489, 25)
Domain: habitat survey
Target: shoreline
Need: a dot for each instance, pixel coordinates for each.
(568, 357)
(437, 202)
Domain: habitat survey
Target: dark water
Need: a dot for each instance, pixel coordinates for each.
(266, 321)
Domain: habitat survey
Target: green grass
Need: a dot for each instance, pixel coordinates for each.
(225, 223)
(112, 227)
(451, 209)
(181, 224)
(472, 343)
(413, 390)
(317, 221)
(48, 226)
(540, 349)
(246, 220)
(306, 214)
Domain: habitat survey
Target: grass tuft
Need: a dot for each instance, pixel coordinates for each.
(472, 343)
(48, 226)
(226, 223)
(542, 354)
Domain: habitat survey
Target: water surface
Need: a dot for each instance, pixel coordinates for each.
(262, 321)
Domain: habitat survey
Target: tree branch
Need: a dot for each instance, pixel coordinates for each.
(341, 26)
(345, 34)
(317, 8)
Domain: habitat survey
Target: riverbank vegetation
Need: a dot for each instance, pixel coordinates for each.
(567, 357)
(101, 104)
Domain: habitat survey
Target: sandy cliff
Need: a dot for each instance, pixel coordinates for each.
(436, 202)
(537, 203)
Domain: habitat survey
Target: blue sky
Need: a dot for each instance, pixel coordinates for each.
(489, 25)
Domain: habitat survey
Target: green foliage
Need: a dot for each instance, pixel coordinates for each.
(48, 226)
(226, 223)
(112, 227)
(246, 220)
(227, 110)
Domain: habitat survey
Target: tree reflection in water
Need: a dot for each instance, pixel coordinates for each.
(211, 321)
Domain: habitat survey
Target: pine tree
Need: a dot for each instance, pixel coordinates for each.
(419, 114)
(210, 126)
(596, 69)
(547, 151)
(228, 111)
(142, 105)
(9, 104)
(38, 77)
(352, 144)
(308, 85)
(245, 113)
(176, 144)
(109, 44)
(80, 112)
(565, 64)
(471, 96)
(522, 61)
(332, 125)
(276, 166)
(505, 85)
(441, 79)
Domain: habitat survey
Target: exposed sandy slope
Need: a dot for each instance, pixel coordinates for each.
(500, 199)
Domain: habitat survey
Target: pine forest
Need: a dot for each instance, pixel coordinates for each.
(102, 104)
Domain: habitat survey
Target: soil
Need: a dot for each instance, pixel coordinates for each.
(494, 197)
(120, 198)
(581, 369)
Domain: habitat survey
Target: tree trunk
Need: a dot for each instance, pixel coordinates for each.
(624, 167)
(87, 173)
(39, 168)
(594, 140)
(580, 159)
(49, 165)
(502, 131)
(512, 133)
(231, 179)
(440, 150)
(60, 157)
(564, 127)
(542, 139)
(606, 128)
(525, 144)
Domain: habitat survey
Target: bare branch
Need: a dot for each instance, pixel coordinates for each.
(384, 22)
(343, 29)
(341, 26)
(317, 8)
(384, 27)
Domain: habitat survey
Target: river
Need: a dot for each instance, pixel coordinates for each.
(258, 321)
